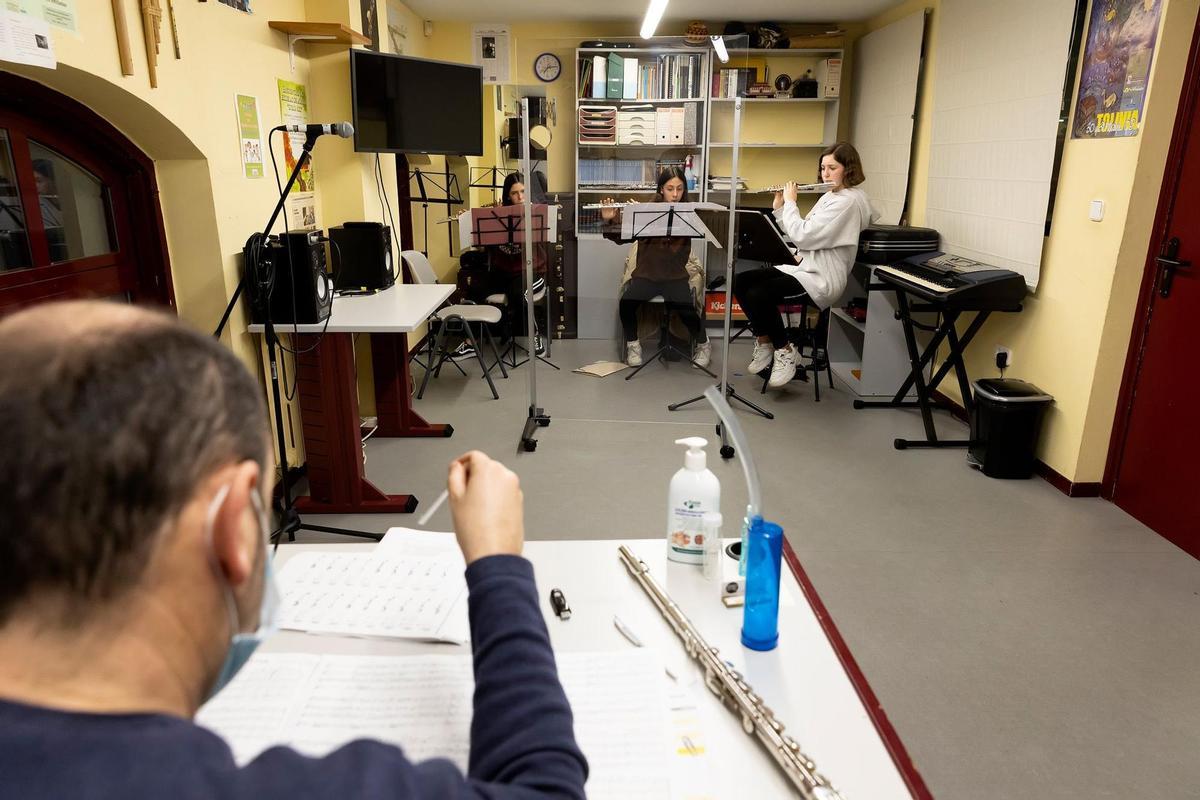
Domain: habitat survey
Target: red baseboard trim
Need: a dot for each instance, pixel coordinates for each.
(1043, 471)
(891, 740)
(1065, 486)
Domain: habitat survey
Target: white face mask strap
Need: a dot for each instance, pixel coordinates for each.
(226, 590)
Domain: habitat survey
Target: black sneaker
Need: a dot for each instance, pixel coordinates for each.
(539, 346)
(464, 352)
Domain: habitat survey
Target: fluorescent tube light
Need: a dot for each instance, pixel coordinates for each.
(718, 43)
(654, 13)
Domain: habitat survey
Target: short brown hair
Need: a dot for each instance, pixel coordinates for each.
(110, 423)
(845, 154)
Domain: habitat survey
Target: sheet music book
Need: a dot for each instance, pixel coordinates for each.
(643, 220)
(412, 588)
(316, 703)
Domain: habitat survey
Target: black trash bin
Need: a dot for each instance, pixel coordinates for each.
(1005, 424)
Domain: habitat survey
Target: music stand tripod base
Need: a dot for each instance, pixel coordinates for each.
(538, 418)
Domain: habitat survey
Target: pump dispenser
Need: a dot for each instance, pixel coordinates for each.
(694, 490)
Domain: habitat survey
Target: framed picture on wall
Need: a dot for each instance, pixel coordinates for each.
(370, 23)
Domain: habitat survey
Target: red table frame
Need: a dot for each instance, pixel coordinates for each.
(327, 386)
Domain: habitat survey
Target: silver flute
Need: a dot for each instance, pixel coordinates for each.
(727, 684)
(800, 187)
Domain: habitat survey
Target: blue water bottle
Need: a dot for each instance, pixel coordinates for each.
(760, 620)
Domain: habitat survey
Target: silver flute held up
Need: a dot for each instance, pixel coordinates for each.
(801, 187)
(727, 684)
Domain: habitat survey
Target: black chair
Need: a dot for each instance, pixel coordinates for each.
(666, 347)
(805, 337)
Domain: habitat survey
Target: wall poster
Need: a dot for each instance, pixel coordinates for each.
(250, 135)
(1116, 68)
(490, 44)
(59, 13)
(370, 23)
(293, 110)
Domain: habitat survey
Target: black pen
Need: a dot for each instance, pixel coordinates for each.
(558, 601)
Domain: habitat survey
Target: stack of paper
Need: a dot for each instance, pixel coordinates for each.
(411, 586)
(423, 704)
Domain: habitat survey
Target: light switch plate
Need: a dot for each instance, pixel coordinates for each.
(1096, 210)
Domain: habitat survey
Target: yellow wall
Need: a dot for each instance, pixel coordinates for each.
(1072, 337)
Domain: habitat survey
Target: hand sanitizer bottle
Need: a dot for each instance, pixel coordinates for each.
(689, 175)
(694, 490)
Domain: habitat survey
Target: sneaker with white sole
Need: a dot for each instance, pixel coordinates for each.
(702, 353)
(463, 352)
(633, 354)
(784, 368)
(762, 357)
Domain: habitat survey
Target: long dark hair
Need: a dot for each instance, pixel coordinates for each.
(666, 175)
(845, 154)
(512, 178)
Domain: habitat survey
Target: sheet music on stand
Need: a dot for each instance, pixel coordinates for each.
(411, 586)
(647, 220)
(317, 703)
(494, 225)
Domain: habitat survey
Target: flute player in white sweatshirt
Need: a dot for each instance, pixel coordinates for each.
(827, 240)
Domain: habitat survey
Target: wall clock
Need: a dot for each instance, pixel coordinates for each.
(547, 67)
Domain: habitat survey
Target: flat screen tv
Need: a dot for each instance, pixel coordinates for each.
(415, 105)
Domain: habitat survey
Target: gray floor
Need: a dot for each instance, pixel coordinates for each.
(1023, 644)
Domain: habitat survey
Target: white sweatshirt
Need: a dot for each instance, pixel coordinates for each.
(828, 241)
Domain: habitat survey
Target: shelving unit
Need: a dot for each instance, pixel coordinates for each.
(602, 262)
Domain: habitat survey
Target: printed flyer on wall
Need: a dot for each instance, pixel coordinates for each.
(250, 136)
(59, 13)
(293, 110)
(1116, 68)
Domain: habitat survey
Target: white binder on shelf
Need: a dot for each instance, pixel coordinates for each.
(599, 77)
(631, 79)
(676, 115)
(829, 77)
(662, 126)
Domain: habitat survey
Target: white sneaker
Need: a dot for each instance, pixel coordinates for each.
(633, 354)
(763, 354)
(784, 369)
(702, 353)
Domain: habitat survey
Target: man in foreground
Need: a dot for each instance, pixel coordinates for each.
(135, 580)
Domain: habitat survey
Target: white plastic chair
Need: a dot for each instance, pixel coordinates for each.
(455, 319)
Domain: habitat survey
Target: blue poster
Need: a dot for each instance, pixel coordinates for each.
(1116, 68)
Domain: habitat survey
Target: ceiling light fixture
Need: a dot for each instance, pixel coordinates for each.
(654, 13)
(718, 43)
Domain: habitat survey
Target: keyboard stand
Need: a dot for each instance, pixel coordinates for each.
(919, 361)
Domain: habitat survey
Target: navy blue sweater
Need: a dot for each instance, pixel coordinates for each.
(522, 742)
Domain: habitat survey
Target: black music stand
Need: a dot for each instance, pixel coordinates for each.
(447, 194)
(756, 239)
(654, 223)
(505, 225)
(489, 178)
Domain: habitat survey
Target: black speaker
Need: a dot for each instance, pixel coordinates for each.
(302, 292)
(362, 255)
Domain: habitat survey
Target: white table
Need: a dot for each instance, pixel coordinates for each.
(809, 681)
(328, 382)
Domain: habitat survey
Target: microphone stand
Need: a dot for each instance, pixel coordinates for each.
(289, 518)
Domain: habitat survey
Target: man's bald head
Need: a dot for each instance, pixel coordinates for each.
(112, 416)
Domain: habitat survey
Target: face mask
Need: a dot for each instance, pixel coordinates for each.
(242, 645)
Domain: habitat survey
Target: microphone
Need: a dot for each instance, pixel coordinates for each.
(342, 129)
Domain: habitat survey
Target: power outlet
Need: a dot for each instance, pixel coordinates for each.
(1004, 357)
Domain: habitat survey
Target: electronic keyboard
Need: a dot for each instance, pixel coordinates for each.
(955, 282)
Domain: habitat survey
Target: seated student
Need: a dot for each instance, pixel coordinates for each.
(506, 269)
(661, 266)
(827, 240)
(135, 579)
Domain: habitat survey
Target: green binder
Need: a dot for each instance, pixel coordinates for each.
(616, 76)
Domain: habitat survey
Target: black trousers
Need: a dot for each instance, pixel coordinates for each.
(677, 296)
(760, 292)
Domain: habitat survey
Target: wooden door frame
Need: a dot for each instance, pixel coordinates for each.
(148, 242)
(1188, 99)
